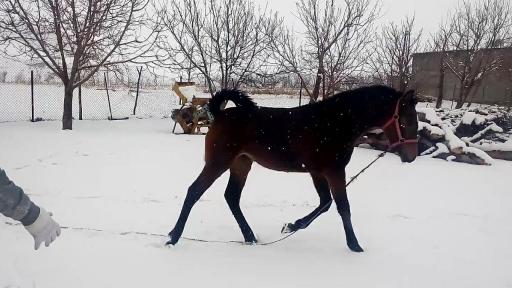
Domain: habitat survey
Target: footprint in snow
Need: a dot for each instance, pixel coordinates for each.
(22, 167)
(400, 216)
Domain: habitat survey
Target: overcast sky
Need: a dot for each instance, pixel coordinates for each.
(429, 13)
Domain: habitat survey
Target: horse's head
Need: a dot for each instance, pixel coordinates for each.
(402, 128)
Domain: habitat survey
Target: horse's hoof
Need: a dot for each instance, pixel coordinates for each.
(355, 248)
(251, 242)
(172, 240)
(287, 228)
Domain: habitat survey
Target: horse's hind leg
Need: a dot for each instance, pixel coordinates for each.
(322, 188)
(209, 174)
(339, 193)
(239, 170)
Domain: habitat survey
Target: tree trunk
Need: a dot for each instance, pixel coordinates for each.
(440, 89)
(318, 82)
(316, 88)
(461, 97)
(67, 116)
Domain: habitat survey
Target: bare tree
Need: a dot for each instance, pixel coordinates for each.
(334, 37)
(391, 59)
(226, 41)
(346, 59)
(75, 37)
(476, 28)
(439, 42)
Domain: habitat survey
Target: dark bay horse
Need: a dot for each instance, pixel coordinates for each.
(317, 139)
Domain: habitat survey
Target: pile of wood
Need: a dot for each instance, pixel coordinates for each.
(191, 116)
(474, 136)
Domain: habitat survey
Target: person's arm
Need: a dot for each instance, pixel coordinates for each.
(15, 204)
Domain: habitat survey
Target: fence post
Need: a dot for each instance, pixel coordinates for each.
(137, 95)
(108, 96)
(32, 92)
(80, 100)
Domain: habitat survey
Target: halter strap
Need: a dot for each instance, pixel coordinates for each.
(394, 120)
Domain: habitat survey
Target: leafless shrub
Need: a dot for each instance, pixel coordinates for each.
(335, 36)
(224, 41)
(391, 54)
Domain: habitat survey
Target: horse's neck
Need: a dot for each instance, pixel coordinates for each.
(362, 117)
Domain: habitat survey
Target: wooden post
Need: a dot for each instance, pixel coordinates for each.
(139, 71)
(32, 92)
(108, 96)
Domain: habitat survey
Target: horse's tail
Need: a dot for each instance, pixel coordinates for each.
(236, 96)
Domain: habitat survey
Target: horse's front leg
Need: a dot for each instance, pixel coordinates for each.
(209, 174)
(336, 181)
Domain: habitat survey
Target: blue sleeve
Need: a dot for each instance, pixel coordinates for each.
(14, 203)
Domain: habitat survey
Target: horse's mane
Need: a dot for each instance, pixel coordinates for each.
(377, 92)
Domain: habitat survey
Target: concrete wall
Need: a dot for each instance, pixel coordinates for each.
(496, 87)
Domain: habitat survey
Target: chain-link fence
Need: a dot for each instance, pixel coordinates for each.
(35, 94)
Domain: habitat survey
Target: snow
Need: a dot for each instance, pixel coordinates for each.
(454, 143)
(492, 127)
(481, 154)
(426, 152)
(191, 92)
(471, 117)
(429, 223)
(507, 146)
(441, 148)
(434, 130)
(430, 115)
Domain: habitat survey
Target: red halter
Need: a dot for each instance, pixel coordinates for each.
(394, 120)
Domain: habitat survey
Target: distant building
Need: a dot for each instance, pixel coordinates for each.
(496, 87)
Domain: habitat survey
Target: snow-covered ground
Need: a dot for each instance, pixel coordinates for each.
(426, 224)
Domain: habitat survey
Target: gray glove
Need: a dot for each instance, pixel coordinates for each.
(44, 229)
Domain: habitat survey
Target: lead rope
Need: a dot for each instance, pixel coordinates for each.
(352, 179)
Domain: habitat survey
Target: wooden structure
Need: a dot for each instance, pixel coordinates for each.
(191, 116)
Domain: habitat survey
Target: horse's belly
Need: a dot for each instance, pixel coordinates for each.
(278, 161)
